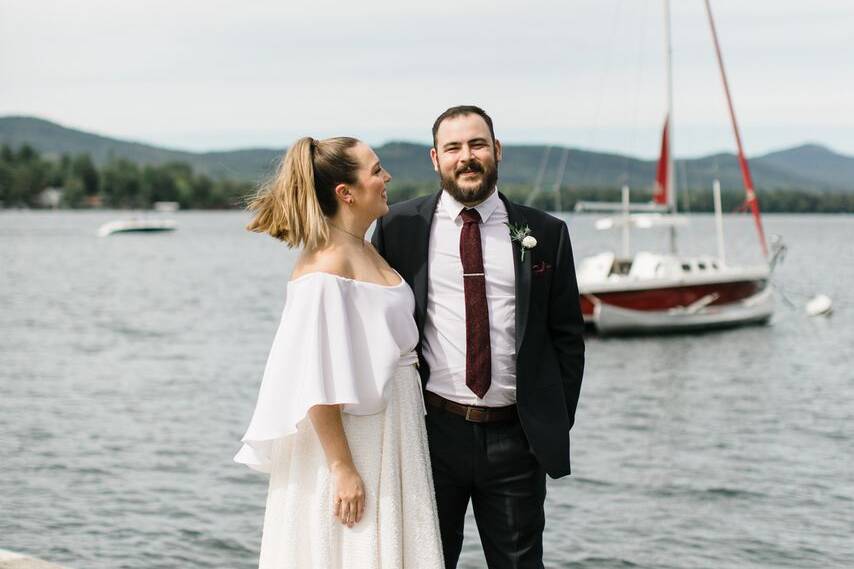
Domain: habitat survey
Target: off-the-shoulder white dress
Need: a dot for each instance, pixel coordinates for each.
(342, 341)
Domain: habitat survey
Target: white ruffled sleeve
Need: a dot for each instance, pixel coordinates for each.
(320, 356)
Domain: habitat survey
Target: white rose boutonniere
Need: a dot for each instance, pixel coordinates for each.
(522, 236)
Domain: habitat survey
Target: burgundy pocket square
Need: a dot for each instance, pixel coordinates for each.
(541, 268)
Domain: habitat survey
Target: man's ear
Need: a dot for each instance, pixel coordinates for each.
(434, 157)
(343, 193)
(498, 150)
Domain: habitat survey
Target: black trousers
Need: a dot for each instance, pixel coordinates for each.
(492, 465)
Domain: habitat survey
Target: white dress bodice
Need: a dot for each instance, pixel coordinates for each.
(339, 341)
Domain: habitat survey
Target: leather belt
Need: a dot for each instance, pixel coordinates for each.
(471, 413)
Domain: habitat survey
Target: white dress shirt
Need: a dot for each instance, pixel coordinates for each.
(444, 344)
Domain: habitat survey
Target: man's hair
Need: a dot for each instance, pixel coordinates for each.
(462, 110)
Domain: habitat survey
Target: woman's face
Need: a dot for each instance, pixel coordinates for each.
(369, 192)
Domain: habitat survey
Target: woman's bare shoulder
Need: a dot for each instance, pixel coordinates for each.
(328, 260)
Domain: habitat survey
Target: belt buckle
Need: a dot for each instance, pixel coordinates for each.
(468, 414)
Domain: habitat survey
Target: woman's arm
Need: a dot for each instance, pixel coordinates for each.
(348, 495)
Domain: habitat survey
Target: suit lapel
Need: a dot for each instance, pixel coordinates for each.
(426, 211)
(523, 272)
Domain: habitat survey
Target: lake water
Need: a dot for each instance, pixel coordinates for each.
(130, 367)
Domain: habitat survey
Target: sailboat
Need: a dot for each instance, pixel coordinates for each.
(655, 292)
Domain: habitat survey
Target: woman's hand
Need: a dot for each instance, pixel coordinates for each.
(348, 495)
(348, 490)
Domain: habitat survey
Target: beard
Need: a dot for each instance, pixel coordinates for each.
(471, 193)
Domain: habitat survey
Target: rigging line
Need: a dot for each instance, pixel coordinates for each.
(638, 77)
(782, 293)
(593, 129)
(538, 183)
(751, 200)
(686, 196)
(798, 291)
(559, 180)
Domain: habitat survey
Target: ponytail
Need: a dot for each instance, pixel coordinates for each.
(294, 204)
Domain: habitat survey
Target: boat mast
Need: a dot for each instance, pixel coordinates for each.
(668, 126)
(751, 200)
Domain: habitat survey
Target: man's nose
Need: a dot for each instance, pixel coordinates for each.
(465, 153)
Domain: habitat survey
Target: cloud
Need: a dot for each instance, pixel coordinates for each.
(227, 74)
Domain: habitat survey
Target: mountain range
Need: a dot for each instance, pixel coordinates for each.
(808, 167)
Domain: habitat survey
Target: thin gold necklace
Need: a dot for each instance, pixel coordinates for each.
(361, 239)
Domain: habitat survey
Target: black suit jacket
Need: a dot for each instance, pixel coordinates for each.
(549, 325)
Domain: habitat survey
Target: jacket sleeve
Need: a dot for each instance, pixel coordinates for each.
(566, 324)
(377, 239)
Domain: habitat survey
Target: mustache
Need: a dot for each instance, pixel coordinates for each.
(469, 167)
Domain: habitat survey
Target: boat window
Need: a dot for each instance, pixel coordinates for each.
(621, 267)
(714, 265)
(701, 266)
(686, 267)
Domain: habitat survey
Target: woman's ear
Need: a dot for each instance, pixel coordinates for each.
(343, 193)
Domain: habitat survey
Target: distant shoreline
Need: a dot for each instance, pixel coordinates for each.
(31, 179)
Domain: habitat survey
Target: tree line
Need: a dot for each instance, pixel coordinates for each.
(123, 184)
(120, 183)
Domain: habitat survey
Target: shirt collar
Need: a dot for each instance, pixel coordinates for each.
(485, 208)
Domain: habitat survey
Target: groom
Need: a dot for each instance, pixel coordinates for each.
(501, 354)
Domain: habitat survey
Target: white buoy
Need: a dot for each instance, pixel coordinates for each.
(819, 305)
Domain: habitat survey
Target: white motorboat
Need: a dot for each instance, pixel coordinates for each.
(137, 225)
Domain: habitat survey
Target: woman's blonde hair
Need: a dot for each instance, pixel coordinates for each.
(295, 203)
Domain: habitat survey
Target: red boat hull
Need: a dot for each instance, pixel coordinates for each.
(665, 298)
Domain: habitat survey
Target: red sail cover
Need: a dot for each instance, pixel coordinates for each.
(659, 194)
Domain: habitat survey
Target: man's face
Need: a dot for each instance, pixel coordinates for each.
(466, 158)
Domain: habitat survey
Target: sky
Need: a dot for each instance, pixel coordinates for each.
(218, 75)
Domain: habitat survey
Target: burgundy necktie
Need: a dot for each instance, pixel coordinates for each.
(478, 350)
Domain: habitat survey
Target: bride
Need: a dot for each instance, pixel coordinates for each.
(338, 423)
